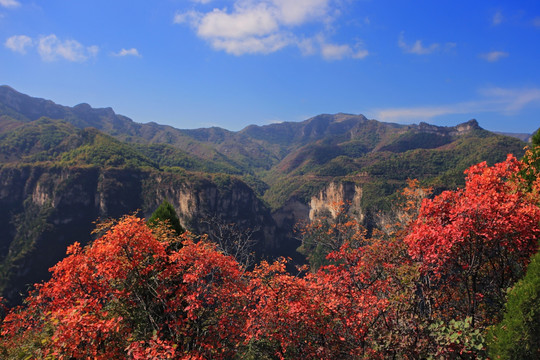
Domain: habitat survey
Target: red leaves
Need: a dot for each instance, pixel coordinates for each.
(479, 237)
(155, 348)
(104, 300)
(135, 293)
(129, 294)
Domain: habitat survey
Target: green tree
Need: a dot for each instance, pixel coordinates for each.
(536, 138)
(518, 334)
(166, 213)
(532, 157)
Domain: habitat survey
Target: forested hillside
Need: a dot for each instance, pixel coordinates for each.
(299, 156)
(62, 168)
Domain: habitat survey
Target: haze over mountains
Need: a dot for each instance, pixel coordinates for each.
(63, 167)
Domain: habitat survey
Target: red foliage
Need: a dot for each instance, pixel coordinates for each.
(472, 243)
(141, 293)
(129, 292)
(327, 315)
(357, 307)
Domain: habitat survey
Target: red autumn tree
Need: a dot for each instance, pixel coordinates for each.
(360, 306)
(327, 315)
(473, 243)
(133, 293)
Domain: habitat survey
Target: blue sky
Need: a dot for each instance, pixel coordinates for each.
(200, 63)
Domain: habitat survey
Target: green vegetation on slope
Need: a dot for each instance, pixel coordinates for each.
(518, 335)
(383, 172)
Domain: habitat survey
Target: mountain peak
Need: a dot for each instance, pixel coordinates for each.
(83, 106)
(7, 88)
(468, 126)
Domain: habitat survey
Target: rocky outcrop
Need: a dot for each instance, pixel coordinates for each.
(329, 200)
(293, 212)
(232, 201)
(325, 203)
(468, 126)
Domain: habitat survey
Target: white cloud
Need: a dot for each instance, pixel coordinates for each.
(334, 51)
(512, 100)
(92, 50)
(191, 18)
(298, 12)
(498, 18)
(339, 52)
(330, 51)
(19, 43)
(415, 113)
(360, 54)
(128, 52)
(536, 21)
(265, 26)
(256, 21)
(307, 46)
(50, 48)
(417, 47)
(251, 44)
(509, 101)
(10, 3)
(494, 56)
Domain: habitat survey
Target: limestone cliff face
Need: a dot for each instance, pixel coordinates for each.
(323, 204)
(452, 131)
(328, 200)
(45, 209)
(468, 126)
(232, 202)
(294, 211)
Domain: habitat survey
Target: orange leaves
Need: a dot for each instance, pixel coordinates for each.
(74, 248)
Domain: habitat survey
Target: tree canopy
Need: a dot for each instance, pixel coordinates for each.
(166, 213)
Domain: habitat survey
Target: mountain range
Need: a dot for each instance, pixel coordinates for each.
(62, 168)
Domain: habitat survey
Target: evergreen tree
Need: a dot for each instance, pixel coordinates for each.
(531, 159)
(518, 334)
(536, 138)
(166, 213)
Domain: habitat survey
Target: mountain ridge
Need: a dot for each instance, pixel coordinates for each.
(323, 146)
(50, 109)
(68, 165)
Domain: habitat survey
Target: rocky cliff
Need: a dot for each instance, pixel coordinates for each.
(325, 203)
(43, 209)
(329, 200)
